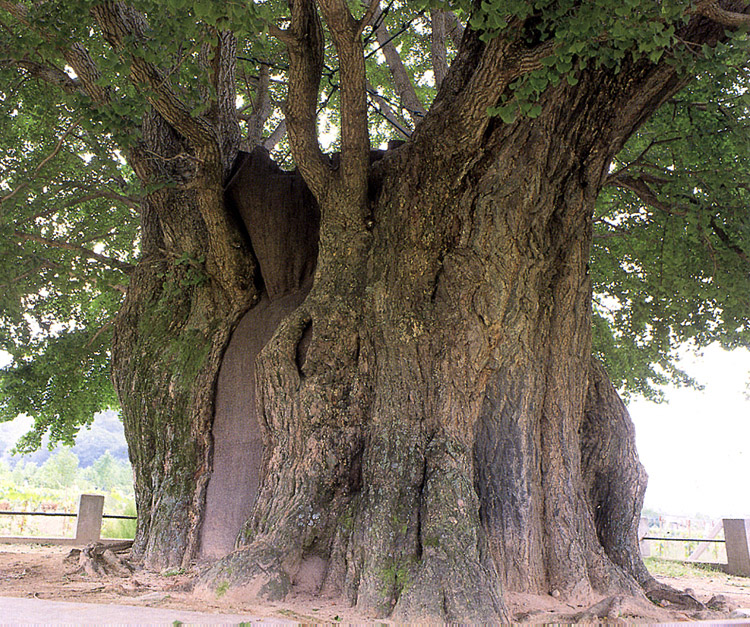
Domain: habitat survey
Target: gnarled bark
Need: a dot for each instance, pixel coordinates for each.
(433, 430)
(446, 436)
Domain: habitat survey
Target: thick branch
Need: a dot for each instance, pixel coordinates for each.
(355, 141)
(224, 79)
(121, 24)
(478, 76)
(304, 40)
(713, 11)
(87, 71)
(84, 252)
(438, 52)
(401, 79)
(261, 108)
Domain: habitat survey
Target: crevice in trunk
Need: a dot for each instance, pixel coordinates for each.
(282, 219)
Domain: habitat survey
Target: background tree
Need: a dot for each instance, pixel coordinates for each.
(420, 423)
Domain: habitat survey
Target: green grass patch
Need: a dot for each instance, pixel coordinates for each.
(221, 589)
(660, 567)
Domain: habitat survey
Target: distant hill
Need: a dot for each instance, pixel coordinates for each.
(104, 434)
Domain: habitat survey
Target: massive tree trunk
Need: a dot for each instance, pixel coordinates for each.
(423, 425)
(432, 420)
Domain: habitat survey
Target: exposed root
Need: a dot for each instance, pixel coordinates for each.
(666, 596)
(254, 571)
(100, 560)
(720, 603)
(610, 608)
(450, 591)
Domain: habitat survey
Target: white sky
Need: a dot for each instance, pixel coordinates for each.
(696, 446)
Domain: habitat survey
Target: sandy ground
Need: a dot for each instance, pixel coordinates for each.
(41, 572)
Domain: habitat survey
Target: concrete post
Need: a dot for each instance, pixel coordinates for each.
(89, 524)
(643, 531)
(736, 534)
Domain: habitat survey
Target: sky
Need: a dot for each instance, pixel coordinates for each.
(696, 445)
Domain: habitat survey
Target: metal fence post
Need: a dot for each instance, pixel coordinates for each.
(89, 523)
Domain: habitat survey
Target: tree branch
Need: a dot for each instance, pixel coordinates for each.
(87, 71)
(305, 45)
(131, 203)
(387, 112)
(713, 11)
(438, 51)
(453, 27)
(45, 161)
(76, 56)
(368, 16)
(48, 73)
(401, 79)
(476, 79)
(275, 137)
(224, 78)
(641, 188)
(261, 108)
(355, 141)
(84, 252)
(727, 241)
(121, 24)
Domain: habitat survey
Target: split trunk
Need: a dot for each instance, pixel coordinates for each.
(407, 413)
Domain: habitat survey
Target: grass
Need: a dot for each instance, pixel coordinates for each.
(221, 589)
(660, 567)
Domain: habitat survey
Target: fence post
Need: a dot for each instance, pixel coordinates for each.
(643, 531)
(89, 523)
(736, 533)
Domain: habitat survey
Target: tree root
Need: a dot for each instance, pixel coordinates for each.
(610, 608)
(100, 560)
(666, 596)
(255, 571)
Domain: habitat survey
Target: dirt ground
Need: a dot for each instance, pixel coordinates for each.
(41, 572)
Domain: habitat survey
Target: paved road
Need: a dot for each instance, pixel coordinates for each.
(18, 611)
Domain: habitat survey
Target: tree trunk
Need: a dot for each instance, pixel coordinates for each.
(433, 430)
(428, 410)
(195, 279)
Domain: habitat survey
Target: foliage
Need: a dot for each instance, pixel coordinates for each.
(68, 228)
(669, 265)
(103, 435)
(56, 485)
(671, 248)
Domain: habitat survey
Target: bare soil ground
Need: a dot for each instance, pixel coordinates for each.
(42, 572)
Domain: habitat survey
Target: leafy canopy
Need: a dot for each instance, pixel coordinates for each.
(672, 231)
